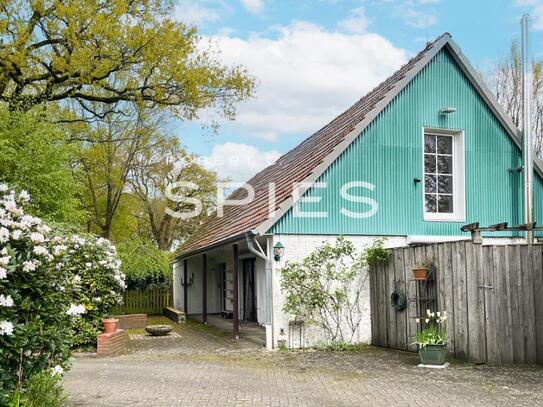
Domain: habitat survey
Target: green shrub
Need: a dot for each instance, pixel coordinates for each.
(35, 297)
(93, 267)
(144, 264)
(54, 292)
(376, 254)
(43, 390)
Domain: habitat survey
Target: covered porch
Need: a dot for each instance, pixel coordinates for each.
(228, 287)
(249, 331)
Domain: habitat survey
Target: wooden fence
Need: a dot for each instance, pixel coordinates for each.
(148, 301)
(492, 294)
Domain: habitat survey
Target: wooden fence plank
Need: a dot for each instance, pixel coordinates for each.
(477, 351)
(391, 311)
(401, 317)
(538, 301)
(505, 351)
(491, 257)
(528, 305)
(460, 307)
(411, 311)
(514, 283)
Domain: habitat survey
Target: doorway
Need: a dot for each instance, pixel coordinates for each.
(249, 290)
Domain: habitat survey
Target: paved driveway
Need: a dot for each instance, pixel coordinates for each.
(200, 366)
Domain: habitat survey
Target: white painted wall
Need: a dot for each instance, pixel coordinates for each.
(297, 247)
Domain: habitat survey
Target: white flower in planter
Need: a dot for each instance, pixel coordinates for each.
(3, 273)
(77, 278)
(6, 301)
(6, 328)
(3, 187)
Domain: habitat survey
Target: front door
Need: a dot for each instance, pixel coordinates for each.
(249, 290)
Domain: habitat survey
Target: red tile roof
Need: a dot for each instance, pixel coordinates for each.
(290, 169)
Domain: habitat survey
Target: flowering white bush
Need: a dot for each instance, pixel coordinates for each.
(35, 331)
(54, 292)
(97, 282)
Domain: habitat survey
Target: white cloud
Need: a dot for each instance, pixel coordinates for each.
(536, 11)
(416, 18)
(199, 12)
(307, 75)
(253, 6)
(238, 162)
(356, 23)
(419, 14)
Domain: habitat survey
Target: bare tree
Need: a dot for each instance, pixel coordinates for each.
(505, 80)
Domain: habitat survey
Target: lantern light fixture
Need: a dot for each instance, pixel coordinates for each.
(278, 251)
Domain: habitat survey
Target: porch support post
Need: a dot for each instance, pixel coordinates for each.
(235, 283)
(204, 288)
(185, 288)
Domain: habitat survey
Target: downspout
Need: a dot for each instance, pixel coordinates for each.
(526, 125)
(257, 251)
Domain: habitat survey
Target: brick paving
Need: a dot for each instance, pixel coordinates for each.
(202, 367)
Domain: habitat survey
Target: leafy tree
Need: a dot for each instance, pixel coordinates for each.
(505, 80)
(325, 289)
(104, 165)
(97, 53)
(35, 157)
(157, 169)
(144, 264)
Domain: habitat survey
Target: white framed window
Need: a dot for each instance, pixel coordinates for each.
(443, 181)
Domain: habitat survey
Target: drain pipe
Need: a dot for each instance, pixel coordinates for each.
(526, 124)
(257, 251)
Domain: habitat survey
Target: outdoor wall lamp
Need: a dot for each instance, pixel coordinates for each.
(278, 251)
(447, 110)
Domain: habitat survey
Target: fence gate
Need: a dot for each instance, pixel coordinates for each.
(493, 295)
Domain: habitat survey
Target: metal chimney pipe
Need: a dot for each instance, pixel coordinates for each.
(525, 23)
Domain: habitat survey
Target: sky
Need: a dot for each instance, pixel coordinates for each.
(313, 59)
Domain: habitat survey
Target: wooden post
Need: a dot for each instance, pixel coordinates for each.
(204, 288)
(185, 288)
(235, 305)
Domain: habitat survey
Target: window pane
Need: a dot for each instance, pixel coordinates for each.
(445, 184)
(430, 184)
(429, 163)
(429, 144)
(444, 145)
(445, 203)
(430, 202)
(444, 164)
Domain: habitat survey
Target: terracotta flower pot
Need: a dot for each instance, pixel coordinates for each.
(110, 325)
(420, 273)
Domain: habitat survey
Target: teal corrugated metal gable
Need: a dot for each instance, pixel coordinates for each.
(388, 154)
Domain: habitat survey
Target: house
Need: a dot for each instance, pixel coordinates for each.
(422, 154)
